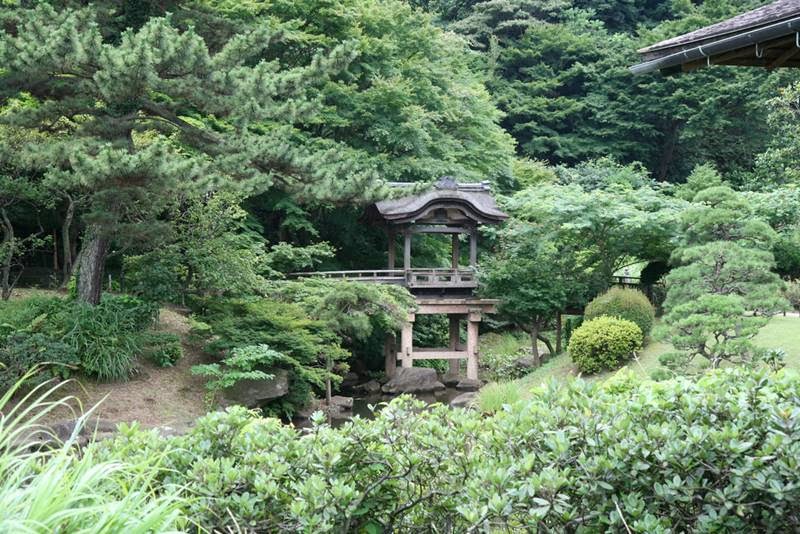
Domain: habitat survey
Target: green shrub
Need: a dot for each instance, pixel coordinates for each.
(718, 454)
(604, 343)
(630, 304)
(286, 328)
(500, 352)
(163, 348)
(21, 352)
(243, 363)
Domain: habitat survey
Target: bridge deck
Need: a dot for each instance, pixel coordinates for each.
(410, 278)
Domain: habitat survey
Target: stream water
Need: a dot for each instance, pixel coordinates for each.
(361, 405)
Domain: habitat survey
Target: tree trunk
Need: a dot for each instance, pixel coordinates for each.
(547, 344)
(9, 245)
(668, 149)
(90, 265)
(558, 333)
(66, 242)
(328, 392)
(537, 361)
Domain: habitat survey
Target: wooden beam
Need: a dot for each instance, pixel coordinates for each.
(783, 58)
(431, 229)
(438, 354)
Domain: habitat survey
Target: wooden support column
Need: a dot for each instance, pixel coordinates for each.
(407, 250)
(390, 233)
(455, 341)
(473, 248)
(473, 320)
(456, 252)
(390, 355)
(407, 341)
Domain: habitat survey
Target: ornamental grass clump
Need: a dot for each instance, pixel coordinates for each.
(625, 303)
(56, 487)
(604, 344)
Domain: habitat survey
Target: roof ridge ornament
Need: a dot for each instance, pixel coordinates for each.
(446, 182)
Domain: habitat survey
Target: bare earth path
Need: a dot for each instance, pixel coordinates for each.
(155, 396)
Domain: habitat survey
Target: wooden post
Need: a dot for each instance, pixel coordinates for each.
(392, 248)
(407, 250)
(473, 320)
(473, 248)
(455, 324)
(390, 355)
(456, 251)
(406, 342)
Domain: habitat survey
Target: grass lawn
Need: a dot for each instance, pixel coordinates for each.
(780, 332)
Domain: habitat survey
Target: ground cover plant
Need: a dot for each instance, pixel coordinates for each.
(718, 453)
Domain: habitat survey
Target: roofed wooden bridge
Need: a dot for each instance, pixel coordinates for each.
(448, 208)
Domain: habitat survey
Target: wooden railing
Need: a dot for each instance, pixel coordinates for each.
(412, 278)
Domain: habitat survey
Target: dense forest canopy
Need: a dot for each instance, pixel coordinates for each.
(304, 109)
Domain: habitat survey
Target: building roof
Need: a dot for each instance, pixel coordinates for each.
(466, 201)
(764, 37)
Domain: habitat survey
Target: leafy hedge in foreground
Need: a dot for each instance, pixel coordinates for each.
(718, 454)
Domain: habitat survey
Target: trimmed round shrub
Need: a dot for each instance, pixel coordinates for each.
(630, 304)
(604, 343)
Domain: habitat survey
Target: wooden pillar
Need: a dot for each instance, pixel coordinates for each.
(392, 247)
(390, 355)
(473, 248)
(456, 251)
(407, 250)
(473, 320)
(407, 341)
(455, 341)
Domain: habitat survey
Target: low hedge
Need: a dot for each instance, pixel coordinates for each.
(604, 344)
(625, 303)
(721, 454)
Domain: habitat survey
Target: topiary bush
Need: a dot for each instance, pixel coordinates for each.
(604, 344)
(625, 303)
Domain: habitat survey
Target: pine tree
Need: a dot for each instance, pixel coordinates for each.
(724, 291)
(139, 117)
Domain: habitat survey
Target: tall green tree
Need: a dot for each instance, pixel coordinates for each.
(723, 290)
(533, 279)
(610, 215)
(145, 115)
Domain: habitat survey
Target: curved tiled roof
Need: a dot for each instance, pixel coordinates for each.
(762, 16)
(474, 200)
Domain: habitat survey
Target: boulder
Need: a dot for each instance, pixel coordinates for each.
(253, 393)
(413, 380)
(450, 380)
(370, 388)
(346, 403)
(349, 380)
(527, 363)
(469, 384)
(465, 400)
